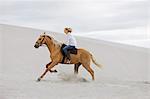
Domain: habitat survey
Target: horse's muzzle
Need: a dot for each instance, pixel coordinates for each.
(36, 46)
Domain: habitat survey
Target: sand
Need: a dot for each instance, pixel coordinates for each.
(125, 74)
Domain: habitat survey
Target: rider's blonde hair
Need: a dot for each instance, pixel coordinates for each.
(68, 29)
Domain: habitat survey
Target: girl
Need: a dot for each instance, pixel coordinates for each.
(70, 41)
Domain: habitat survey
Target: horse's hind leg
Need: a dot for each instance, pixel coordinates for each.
(89, 69)
(76, 68)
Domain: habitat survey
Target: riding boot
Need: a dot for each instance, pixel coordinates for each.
(68, 57)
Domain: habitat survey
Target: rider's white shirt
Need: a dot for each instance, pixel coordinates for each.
(70, 40)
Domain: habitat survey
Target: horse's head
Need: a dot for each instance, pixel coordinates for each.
(41, 40)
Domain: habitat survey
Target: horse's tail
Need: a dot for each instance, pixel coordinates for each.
(94, 61)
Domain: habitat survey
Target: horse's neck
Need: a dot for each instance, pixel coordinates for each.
(53, 47)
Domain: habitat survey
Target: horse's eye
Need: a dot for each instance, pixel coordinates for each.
(40, 39)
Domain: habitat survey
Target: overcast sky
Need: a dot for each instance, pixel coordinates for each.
(81, 15)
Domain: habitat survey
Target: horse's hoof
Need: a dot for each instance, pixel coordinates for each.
(55, 71)
(39, 79)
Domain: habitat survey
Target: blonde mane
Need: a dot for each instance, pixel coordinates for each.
(56, 43)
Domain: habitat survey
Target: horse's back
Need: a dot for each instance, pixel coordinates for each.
(83, 51)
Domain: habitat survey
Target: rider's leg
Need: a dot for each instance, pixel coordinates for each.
(66, 52)
(65, 49)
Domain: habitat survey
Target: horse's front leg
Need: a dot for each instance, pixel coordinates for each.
(50, 66)
(51, 71)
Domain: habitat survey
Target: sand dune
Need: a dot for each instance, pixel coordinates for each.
(125, 70)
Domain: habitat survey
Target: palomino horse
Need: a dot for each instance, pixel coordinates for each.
(82, 57)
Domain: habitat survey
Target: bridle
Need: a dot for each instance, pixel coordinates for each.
(41, 41)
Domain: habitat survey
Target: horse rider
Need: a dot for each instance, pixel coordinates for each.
(70, 41)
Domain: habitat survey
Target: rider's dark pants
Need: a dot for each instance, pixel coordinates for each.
(66, 49)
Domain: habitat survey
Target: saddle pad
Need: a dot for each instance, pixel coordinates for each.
(73, 51)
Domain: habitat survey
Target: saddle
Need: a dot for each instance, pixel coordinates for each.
(72, 51)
